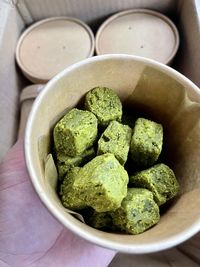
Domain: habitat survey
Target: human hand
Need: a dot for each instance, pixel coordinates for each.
(29, 234)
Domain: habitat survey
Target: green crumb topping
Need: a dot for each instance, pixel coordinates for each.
(138, 212)
(75, 132)
(105, 104)
(160, 180)
(146, 142)
(116, 140)
(102, 183)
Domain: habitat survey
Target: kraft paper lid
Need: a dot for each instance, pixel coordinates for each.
(140, 32)
(31, 92)
(27, 97)
(51, 45)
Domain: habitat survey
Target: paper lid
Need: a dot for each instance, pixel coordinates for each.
(31, 92)
(51, 45)
(140, 32)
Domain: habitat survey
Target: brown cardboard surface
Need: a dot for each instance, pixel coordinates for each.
(172, 257)
(88, 11)
(188, 20)
(157, 94)
(11, 25)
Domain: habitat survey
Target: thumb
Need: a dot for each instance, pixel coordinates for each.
(13, 168)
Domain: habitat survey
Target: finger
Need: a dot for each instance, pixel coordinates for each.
(69, 250)
(14, 159)
(13, 168)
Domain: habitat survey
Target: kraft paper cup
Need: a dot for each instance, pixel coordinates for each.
(156, 91)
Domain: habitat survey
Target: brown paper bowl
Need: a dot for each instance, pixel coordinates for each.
(157, 92)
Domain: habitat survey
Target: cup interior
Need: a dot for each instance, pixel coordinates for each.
(146, 88)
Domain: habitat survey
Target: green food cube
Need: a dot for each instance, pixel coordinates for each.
(105, 104)
(116, 140)
(146, 142)
(69, 195)
(102, 183)
(160, 180)
(138, 212)
(100, 220)
(65, 163)
(75, 132)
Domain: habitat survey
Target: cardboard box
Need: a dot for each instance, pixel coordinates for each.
(16, 15)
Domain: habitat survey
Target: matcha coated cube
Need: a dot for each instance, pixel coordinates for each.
(69, 195)
(65, 163)
(100, 220)
(160, 180)
(146, 142)
(138, 212)
(105, 104)
(75, 132)
(116, 140)
(102, 183)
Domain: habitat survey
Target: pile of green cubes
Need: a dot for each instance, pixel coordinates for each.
(92, 147)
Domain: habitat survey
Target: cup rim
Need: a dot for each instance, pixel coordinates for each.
(156, 246)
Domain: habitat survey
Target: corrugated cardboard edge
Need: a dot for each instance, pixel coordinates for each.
(11, 25)
(188, 58)
(34, 10)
